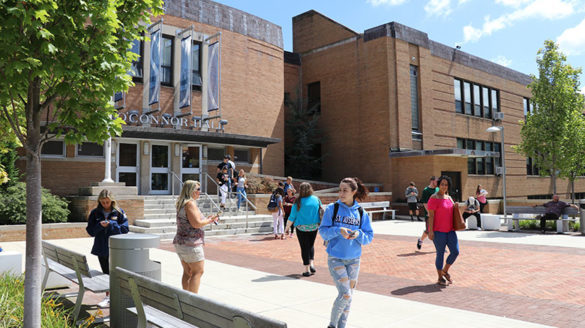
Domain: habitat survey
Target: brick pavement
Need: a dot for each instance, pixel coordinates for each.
(538, 284)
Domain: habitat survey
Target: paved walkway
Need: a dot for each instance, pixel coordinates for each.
(502, 279)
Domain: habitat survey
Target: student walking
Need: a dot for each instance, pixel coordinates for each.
(289, 201)
(305, 217)
(346, 227)
(424, 199)
(241, 187)
(106, 220)
(189, 238)
(441, 229)
(278, 215)
(411, 195)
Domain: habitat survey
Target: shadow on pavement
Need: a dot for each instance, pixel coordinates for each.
(432, 288)
(274, 277)
(416, 253)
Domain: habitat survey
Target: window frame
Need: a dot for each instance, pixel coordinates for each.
(140, 61)
(468, 95)
(62, 155)
(77, 146)
(195, 86)
(171, 67)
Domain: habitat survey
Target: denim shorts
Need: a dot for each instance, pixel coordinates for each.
(190, 254)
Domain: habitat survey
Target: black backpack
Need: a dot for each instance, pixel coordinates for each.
(272, 204)
(335, 209)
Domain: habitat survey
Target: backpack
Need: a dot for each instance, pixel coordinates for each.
(272, 204)
(335, 209)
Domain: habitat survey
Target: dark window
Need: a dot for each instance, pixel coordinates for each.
(495, 102)
(479, 165)
(414, 98)
(215, 154)
(314, 95)
(241, 155)
(458, 98)
(485, 92)
(166, 65)
(196, 65)
(476, 100)
(53, 148)
(460, 143)
(467, 97)
(489, 161)
(138, 64)
(531, 168)
(480, 162)
(90, 149)
(498, 149)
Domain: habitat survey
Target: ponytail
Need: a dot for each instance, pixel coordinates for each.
(357, 185)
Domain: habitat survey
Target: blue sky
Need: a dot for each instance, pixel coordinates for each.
(508, 32)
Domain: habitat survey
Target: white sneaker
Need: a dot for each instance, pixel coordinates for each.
(105, 303)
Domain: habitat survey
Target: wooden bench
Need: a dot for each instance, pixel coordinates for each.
(378, 207)
(162, 305)
(73, 266)
(518, 211)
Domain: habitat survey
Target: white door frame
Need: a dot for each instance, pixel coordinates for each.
(158, 170)
(128, 169)
(192, 170)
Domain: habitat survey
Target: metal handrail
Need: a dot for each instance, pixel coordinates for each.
(173, 182)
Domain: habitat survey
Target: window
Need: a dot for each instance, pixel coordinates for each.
(138, 64)
(215, 154)
(528, 107)
(414, 98)
(457, 89)
(476, 100)
(90, 149)
(479, 165)
(314, 95)
(467, 98)
(196, 65)
(53, 148)
(241, 155)
(166, 65)
(531, 168)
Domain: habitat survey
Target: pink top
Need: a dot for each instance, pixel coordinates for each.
(481, 198)
(186, 234)
(443, 208)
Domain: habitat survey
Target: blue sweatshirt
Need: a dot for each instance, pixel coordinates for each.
(308, 214)
(347, 217)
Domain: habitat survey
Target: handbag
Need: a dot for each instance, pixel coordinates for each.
(458, 223)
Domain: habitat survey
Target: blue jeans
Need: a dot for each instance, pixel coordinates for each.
(345, 274)
(240, 197)
(441, 240)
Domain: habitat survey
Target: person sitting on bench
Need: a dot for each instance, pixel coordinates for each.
(554, 209)
(472, 207)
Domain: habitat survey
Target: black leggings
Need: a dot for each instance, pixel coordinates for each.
(307, 243)
(292, 227)
(105, 264)
(547, 216)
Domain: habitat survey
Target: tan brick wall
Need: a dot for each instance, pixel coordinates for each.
(312, 30)
(49, 231)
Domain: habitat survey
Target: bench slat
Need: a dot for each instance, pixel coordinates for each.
(162, 319)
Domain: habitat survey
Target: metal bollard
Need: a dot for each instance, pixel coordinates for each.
(582, 218)
(131, 252)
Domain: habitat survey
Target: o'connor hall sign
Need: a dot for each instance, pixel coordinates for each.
(197, 122)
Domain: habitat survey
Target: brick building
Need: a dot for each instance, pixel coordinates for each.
(162, 144)
(397, 107)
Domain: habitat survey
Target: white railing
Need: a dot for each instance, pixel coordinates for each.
(229, 194)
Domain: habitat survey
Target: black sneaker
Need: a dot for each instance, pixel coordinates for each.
(419, 244)
(313, 270)
(306, 274)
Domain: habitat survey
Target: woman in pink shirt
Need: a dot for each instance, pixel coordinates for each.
(480, 194)
(441, 231)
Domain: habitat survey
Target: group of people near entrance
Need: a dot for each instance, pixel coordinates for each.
(343, 225)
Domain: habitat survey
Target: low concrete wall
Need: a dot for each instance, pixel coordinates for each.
(80, 206)
(17, 232)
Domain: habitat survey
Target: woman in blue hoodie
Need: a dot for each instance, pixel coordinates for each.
(346, 227)
(105, 220)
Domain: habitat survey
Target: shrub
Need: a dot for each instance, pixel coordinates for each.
(260, 185)
(13, 206)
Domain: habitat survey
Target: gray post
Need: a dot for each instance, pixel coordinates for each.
(131, 252)
(582, 219)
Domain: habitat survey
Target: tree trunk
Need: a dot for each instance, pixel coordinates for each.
(32, 281)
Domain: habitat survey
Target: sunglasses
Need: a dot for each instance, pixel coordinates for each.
(198, 189)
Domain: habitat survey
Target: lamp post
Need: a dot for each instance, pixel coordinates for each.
(494, 129)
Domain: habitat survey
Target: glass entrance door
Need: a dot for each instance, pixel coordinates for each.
(127, 164)
(191, 163)
(159, 169)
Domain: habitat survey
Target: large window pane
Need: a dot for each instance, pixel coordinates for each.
(136, 69)
(495, 101)
(486, 102)
(458, 98)
(167, 61)
(160, 156)
(467, 98)
(196, 64)
(190, 157)
(489, 161)
(476, 100)
(242, 155)
(471, 166)
(480, 162)
(53, 148)
(127, 156)
(314, 95)
(414, 98)
(497, 148)
(90, 149)
(160, 181)
(215, 154)
(128, 177)
(460, 143)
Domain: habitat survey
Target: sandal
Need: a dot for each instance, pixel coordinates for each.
(442, 282)
(448, 277)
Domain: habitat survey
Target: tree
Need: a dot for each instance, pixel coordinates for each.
(552, 133)
(60, 63)
(303, 159)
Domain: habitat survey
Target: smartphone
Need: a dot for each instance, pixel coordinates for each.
(353, 234)
(217, 214)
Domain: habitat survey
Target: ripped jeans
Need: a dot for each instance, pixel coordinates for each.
(345, 274)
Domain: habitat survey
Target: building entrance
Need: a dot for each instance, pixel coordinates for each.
(191, 163)
(127, 163)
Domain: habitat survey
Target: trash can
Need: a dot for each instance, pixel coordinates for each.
(131, 252)
(582, 218)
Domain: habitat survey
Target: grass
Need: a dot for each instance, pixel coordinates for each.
(550, 225)
(53, 313)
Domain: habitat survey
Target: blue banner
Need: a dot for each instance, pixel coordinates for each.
(154, 86)
(118, 96)
(185, 80)
(213, 83)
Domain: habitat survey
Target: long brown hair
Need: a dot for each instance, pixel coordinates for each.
(305, 190)
(478, 190)
(108, 194)
(357, 185)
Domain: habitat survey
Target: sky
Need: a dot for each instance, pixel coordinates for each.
(507, 32)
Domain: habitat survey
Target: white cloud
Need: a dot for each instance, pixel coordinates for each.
(537, 9)
(376, 3)
(512, 3)
(572, 40)
(438, 7)
(463, 1)
(502, 61)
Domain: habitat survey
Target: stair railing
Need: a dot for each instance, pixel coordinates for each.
(173, 183)
(248, 202)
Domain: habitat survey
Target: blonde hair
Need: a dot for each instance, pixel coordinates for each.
(187, 193)
(109, 195)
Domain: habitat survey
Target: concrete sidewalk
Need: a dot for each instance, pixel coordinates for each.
(302, 303)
